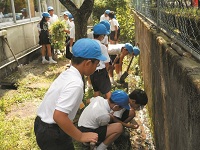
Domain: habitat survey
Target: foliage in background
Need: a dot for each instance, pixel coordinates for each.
(58, 36)
(124, 15)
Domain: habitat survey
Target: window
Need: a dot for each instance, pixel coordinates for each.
(5, 11)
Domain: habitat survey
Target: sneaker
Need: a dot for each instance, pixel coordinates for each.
(52, 61)
(45, 61)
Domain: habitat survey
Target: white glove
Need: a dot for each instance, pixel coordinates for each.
(70, 49)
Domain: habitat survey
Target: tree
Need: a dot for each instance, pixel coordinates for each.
(81, 15)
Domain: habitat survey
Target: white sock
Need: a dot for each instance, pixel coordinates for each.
(102, 146)
(50, 58)
(43, 57)
(111, 79)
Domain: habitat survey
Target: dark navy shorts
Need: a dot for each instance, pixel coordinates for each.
(51, 136)
(112, 58)
(112, 34)
(101, 131)
(101, 81)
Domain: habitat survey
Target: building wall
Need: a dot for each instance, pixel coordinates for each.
(23, 40)
(172, 82)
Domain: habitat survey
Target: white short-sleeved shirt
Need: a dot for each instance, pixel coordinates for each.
(104, 51)
(91, 36)
(53, 19)
(96, 114)
(119, 113)
(113, 23)
(65, 94)
(72, 33)
(71, 24)
(105, 40)
(103, 17)
(114, 49)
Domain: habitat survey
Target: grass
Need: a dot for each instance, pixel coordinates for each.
(16, 130)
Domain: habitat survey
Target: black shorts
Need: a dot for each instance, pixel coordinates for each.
(44, 38)
(101, 81)
(112, 34)
(51, 136)
(101, 131)
(68, 53)
(112, 58)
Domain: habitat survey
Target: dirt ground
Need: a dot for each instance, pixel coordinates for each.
(141, 138)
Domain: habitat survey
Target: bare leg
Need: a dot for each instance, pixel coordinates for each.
(43, 50)
(114, 130)
(51, 61)
(49, 50)
(108, 95)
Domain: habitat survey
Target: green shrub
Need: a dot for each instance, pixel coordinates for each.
(124, 16)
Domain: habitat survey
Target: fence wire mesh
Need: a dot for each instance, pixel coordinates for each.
(180, 19)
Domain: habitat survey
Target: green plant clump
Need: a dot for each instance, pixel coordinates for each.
(58, 36)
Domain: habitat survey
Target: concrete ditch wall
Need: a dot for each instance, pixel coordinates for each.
(172, 82)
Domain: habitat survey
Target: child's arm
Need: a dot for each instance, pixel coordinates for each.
(133, 126)
(68, 127)
(130, 116)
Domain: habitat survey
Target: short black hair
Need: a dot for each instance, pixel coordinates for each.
(139, 96)
(96, 36)
(79, 60)
(111, 14)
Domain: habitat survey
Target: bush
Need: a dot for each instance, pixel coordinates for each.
(124, 15)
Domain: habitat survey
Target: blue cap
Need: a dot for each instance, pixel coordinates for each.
(87, 48)
(100, 29)
(66, 13)
(120, 98)
(107, 11)
(70, 16)
(107, 24)
(136, 50)
(50, 8)
(46, 14)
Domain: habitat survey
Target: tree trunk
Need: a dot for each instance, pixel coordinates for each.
(81, 16)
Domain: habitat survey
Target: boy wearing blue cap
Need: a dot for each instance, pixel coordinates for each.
(96, 117)
(54, 17)
(100, 79)
(105, 15)
(117, 53)
(53, 127)
(137, 98)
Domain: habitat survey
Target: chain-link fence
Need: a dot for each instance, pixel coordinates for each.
(179, 19)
